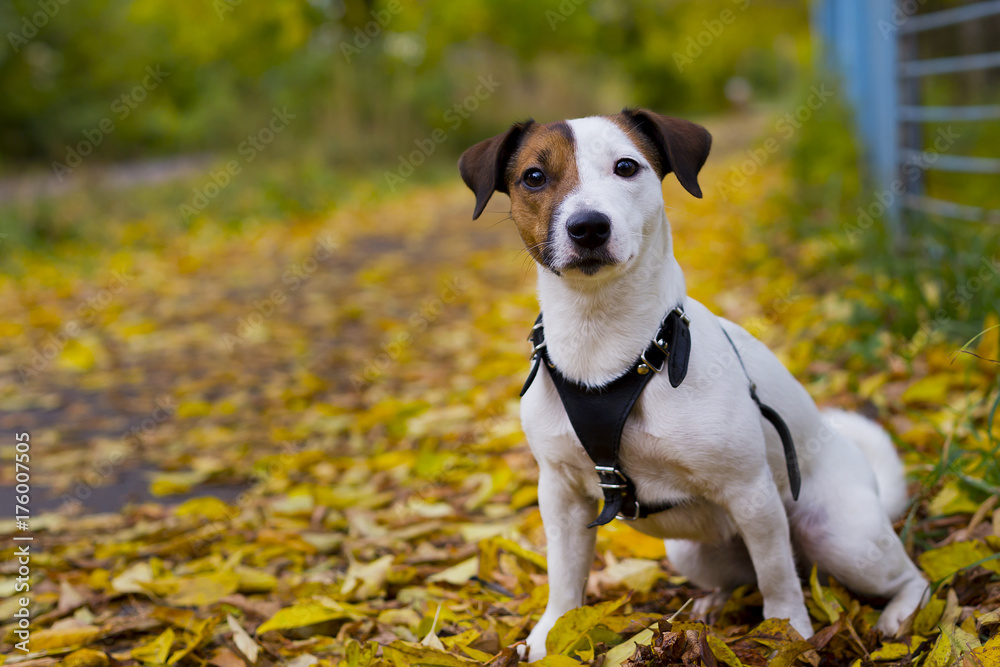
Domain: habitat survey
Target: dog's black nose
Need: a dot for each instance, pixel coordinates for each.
(589, 229)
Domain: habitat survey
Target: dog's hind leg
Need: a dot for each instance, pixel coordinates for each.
(719, 568)
(849, 537)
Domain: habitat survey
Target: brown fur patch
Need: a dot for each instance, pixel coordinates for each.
(552, 149)
(642, 141)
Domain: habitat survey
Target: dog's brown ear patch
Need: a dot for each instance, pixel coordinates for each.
(484, 166)
(680, 146)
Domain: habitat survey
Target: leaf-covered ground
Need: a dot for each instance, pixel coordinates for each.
(356, 375)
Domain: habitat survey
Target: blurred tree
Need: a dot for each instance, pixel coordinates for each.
(368, 77)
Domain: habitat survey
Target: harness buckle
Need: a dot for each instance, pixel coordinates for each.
(649, 365)
(611, 470)
(662, 344)
(634, 517)
(536, 348)
(682, 315)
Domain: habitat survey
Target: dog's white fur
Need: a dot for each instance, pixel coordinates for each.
(705, 441)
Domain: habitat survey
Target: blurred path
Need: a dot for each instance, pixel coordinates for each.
(115, 177)
(203, 357)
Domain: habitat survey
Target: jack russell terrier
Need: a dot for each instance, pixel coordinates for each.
(679, 420)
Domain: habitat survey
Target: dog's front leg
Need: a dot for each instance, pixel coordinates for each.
(565, 515)
(761, 520)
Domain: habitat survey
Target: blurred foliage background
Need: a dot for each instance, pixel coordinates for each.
(367, 77)
(367, 83)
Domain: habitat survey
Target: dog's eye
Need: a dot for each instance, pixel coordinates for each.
(626, 167)
(534, 178)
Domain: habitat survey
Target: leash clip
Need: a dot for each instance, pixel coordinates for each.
(602, 471)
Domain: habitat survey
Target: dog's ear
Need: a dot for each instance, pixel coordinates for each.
(484, 166)
(682, 145)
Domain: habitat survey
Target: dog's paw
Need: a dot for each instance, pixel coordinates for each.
(802, 624)
(913, 596)
(534, 647)
(797, 617)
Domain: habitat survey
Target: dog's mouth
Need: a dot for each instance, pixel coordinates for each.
(590, 264)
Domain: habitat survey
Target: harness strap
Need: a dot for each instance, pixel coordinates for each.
(771, 415)
(598, 414)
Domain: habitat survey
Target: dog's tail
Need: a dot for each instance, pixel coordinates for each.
(881, 455)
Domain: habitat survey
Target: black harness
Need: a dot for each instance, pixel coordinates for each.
(598, 414)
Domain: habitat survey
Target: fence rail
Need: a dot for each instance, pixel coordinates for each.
(950, 65)
(872, 44)
(928, 114)
(947, 17)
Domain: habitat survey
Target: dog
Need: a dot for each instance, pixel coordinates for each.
(586, 197)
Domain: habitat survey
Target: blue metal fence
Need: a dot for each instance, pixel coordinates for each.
(872, 45)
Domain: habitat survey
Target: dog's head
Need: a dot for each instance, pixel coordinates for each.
(585, 192)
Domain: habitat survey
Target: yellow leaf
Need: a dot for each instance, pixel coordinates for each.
(402, 653)
(636, 573)
(405, 617)
(989, 653)
(255, 581)
(457, 574)
(43, 640)
(621, 653)
(201, 633)
(624, 542)
(358, 655)
(949, 559)
(576, 623)
(557, 661)
(305, 613)
(953, 498)
(77, 356)
(366, 580)
(722, 652)
(927, 618)
(133, 579)
(824, 599)
(184, 619)
(203, 589)
(207, 507)
(931, 389)
(942, 655)
(170, 483)
(156, 651)
(85, 657)
(891, 651)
